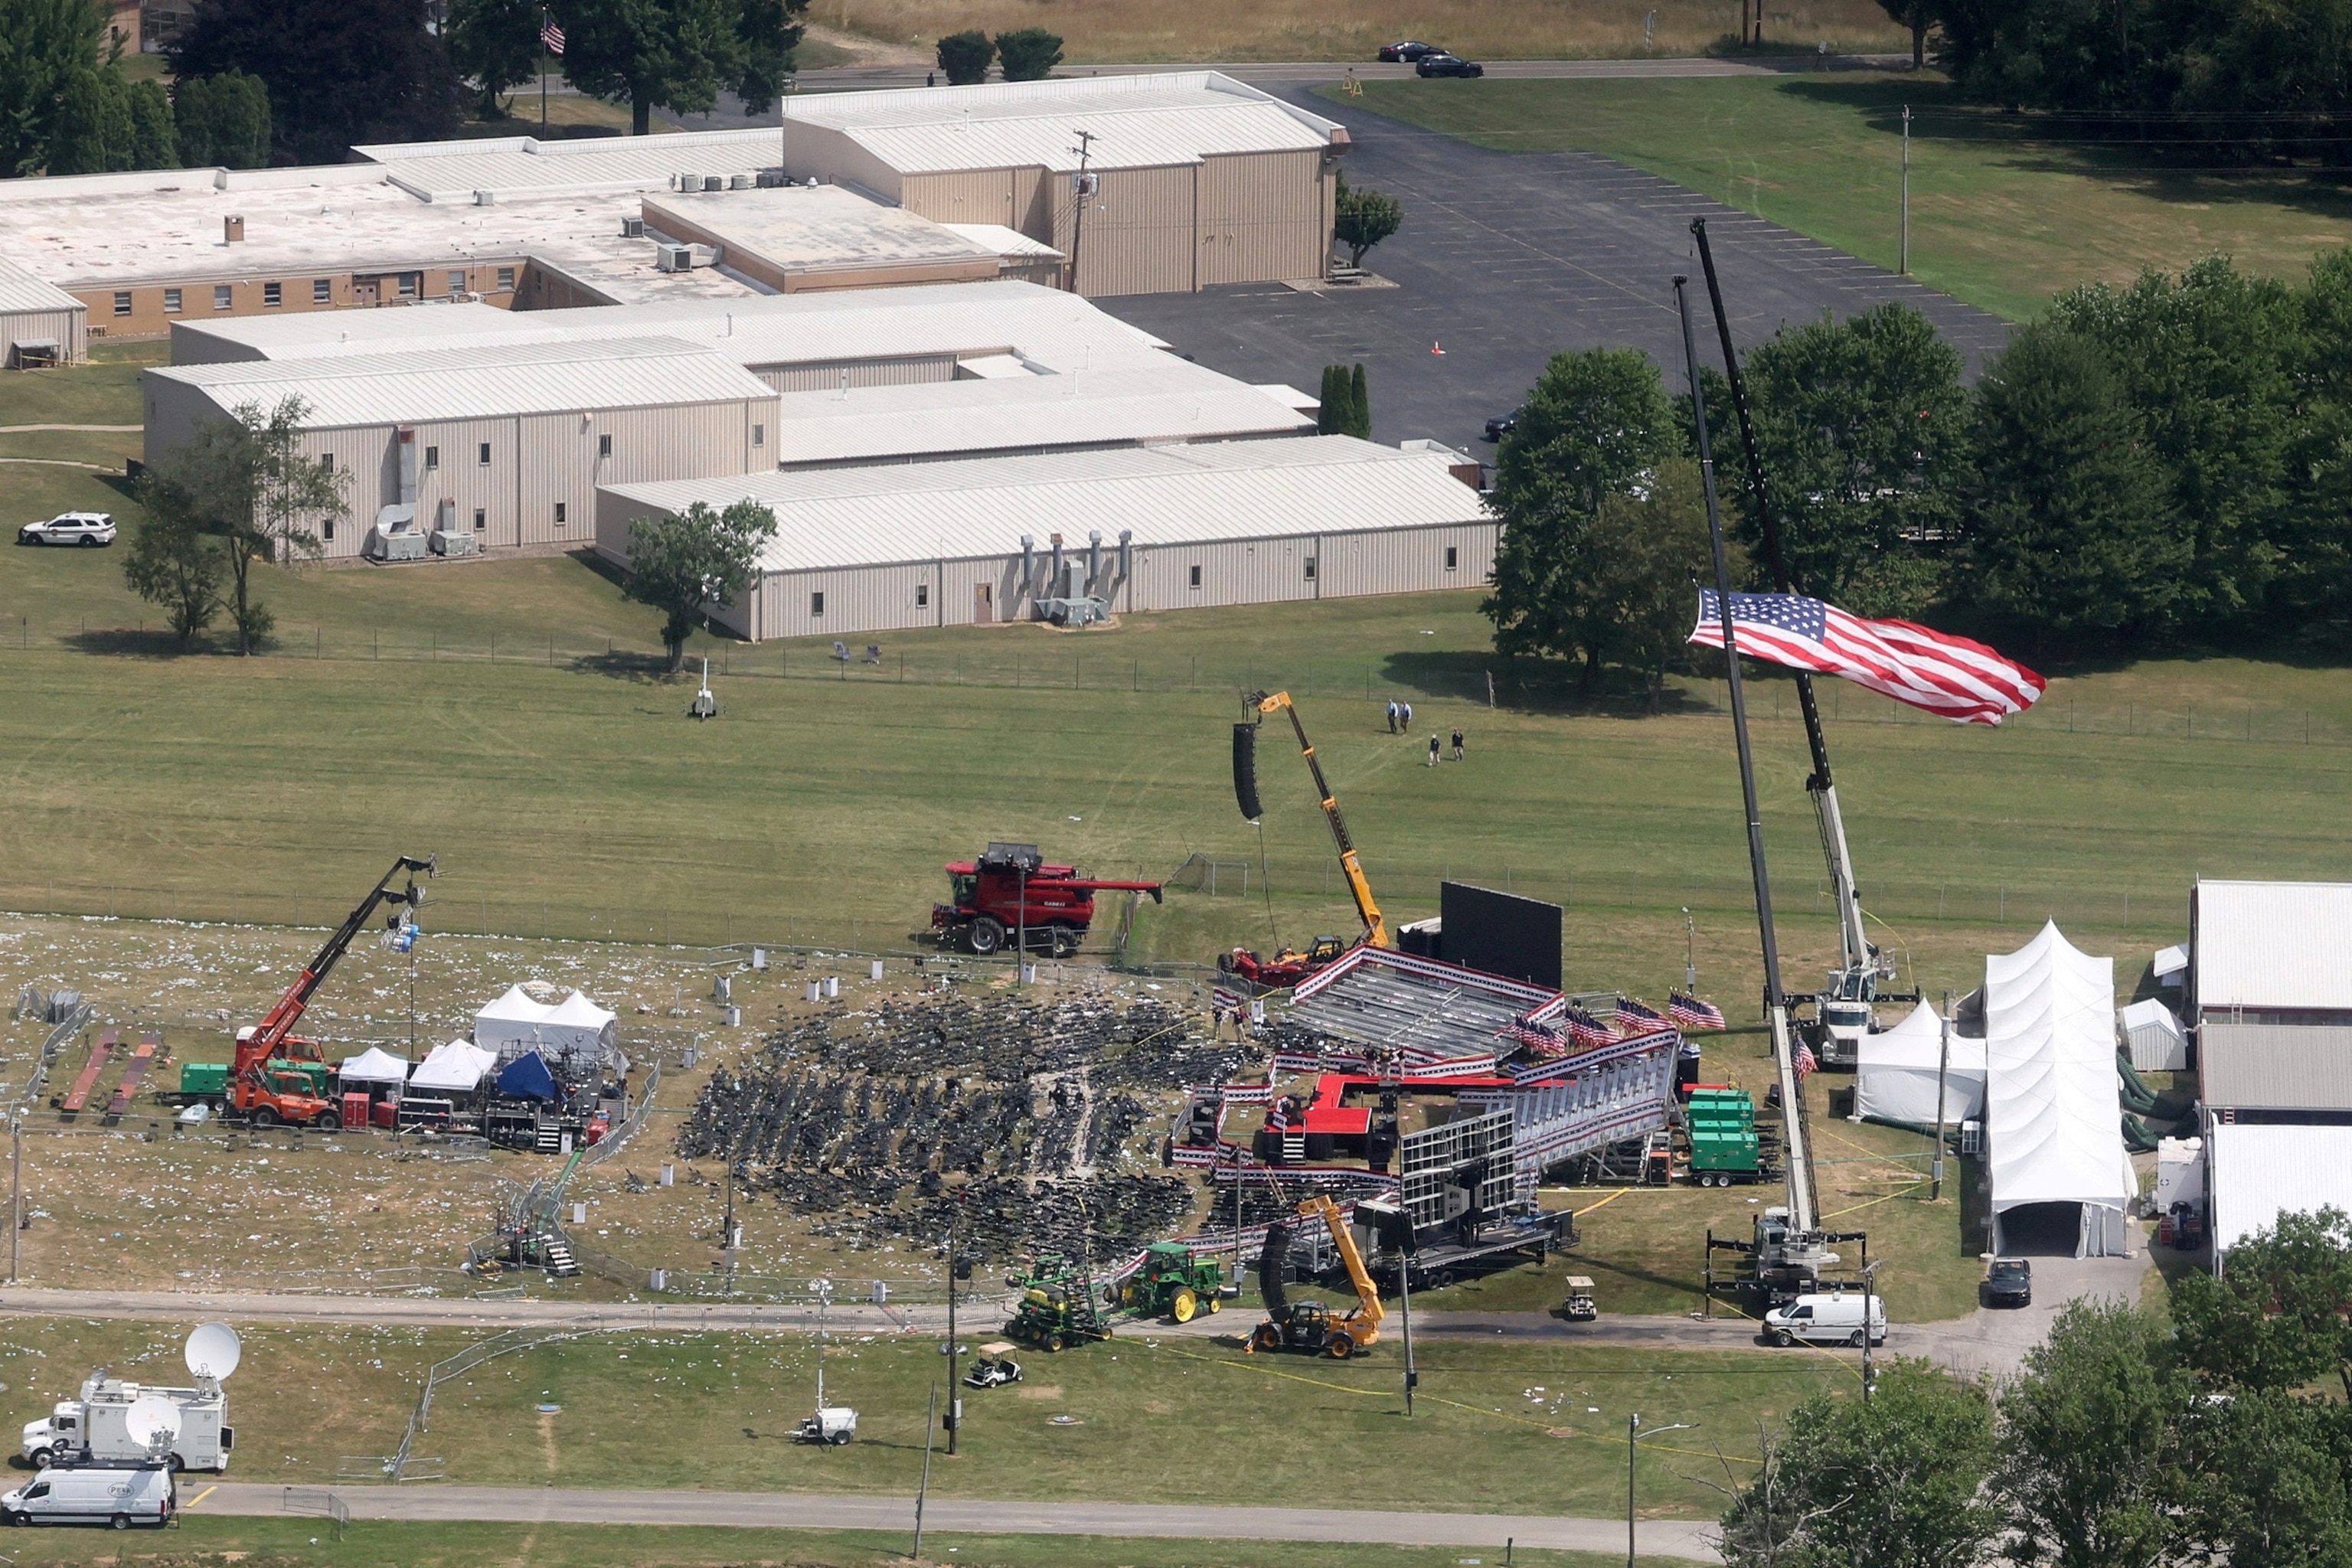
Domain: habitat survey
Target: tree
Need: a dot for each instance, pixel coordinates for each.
(92, 134)
(43, 45)
(1863, 430)
(2071, 528)
(1359, 406)
(678, 54)
(1028, 54)
(2278, 1318)
(340, 73)
(495, 45)
(154, 141)
(1334, 405)
(1645, 554)
(1362, 219)
(2088, 1441)
(1595, 423)
(687, 564)
(1919, 15)
(965, 56)
(222, 120)
(244, 481)
(1893, 1481)
(2265, 1481)
(171, 561)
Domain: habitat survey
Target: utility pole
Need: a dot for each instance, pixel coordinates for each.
(1404, 1299)
(1943, 1065)
(1633, 1435)
(1869, 1271)
(15, 1189)
(1690, 954)
(1084, 187)
(1904, 265)
(955, 1400)
(922, 1492)
(728, 1239)
(823, 1289)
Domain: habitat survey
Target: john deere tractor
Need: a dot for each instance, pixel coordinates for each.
(1056, 1307)
(1172, 1283)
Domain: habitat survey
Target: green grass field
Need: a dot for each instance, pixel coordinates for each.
(2000, 215)
(1527, 1429)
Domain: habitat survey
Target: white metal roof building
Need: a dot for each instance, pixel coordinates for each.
(2271, 953)
(2256, 1172)
(864, 550)
(1198, 178)
(39, 322)
(506, 442)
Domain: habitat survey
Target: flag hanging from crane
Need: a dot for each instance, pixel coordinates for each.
(1693, 1014)
(552, 37)
(1932, 671)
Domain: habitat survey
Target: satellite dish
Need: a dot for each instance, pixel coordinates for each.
(153, 1422)
(213, 1351)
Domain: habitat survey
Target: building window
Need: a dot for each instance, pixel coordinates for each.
(457, 283)
(506, 280)
(273, 294)
(604, 445)
(559, 514)
(322, 291)
(326, 462)
(1310, 569)
(923, 594)
(409, 284)
(328, 526)
(432, 457)
(1196, 576)
(1451, 555)
(479, 521)
(171, 301)
(122, 302)
(758, 433)
(224, 296)
(484, 459)
(816, 606)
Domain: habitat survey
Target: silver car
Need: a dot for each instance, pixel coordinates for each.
(69, 528)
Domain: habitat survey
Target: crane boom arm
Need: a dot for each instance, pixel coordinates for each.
(1369, 1310)
(1376, 925)
(271, 1032)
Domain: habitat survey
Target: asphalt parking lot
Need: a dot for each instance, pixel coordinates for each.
(1506, 259)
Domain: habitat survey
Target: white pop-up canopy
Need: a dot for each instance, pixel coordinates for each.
(373, 1065)
(2054, 1131)
(517, 1022)
(453, 1069)
(1894, 1073)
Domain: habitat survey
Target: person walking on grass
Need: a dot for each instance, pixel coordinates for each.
(1433, 751)
(1404, 718)
(1393, 716)
(1458, 745)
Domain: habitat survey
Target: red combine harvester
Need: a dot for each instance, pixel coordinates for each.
(263, 1087)
(1010, 893)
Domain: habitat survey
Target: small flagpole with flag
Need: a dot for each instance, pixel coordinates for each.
(550, 42)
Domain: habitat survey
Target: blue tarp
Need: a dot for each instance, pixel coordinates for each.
(527, 1077)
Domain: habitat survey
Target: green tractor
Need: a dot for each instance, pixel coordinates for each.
(1172, 1283)
(1056, 1306)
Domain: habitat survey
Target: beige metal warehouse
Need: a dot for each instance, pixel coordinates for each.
(865, 550)
(1197, 179)
(39, 322)
(508, 442)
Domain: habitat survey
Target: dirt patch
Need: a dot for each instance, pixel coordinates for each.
(1041, 1391)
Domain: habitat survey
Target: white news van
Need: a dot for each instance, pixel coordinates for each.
(96, 1426)
(120, 1498)
(1826, 1319)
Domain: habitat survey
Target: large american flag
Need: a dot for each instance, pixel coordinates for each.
(551, 37)
(1693, 1014)
(1930, 669)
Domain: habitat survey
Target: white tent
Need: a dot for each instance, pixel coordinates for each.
(515, 1022)
(373, 1065)
(2054, 1133)
(453, 1069)
(2154, 1036)
(1894, 1073)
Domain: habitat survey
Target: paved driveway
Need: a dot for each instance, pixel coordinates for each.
(1508, 258)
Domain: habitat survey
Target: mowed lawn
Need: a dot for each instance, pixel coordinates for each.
(1527, 1429)
(2002, 214)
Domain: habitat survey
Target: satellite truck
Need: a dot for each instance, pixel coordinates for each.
(114, 1422)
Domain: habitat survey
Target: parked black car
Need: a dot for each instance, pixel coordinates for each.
(1407, 52)
(1443, 64)
(2008, 1283)
(1502, 424)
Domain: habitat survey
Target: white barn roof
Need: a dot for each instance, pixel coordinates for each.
(22, 291)
(479, 382)
(2260, 1171)
(1164, 495)
(2273, 945)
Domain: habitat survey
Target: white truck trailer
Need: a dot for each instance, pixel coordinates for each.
(95, 1427)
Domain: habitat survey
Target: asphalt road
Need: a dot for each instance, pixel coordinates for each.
(1506, 259)
(778, 1511)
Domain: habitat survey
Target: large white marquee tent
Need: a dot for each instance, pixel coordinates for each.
(2054, 1137)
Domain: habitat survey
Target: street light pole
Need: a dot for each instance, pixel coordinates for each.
(1633, 1435)
(1904, 265)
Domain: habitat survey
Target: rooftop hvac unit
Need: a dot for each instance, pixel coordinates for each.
(689, 182)
(485, 198)
(714, 182)
(738, 181)
(771, 178)
(633, 229)
(674, 258)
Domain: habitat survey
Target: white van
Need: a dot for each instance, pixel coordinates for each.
(1826, 1319)
(72, 1494)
